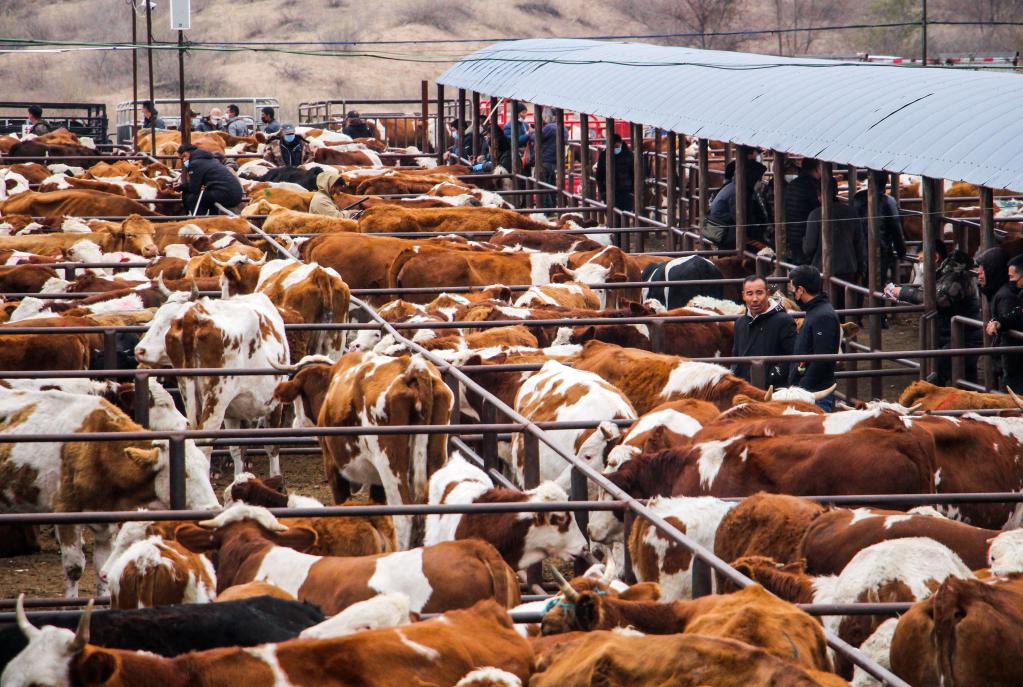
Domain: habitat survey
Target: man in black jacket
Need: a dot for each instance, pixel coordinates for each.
(622, 174)
(721, 213)
(893, 241)
(819, 334)
(848, 244)
(766, 329)
(801, 198)
(1003, 297)
(209, 182)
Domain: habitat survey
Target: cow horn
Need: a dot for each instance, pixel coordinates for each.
(823, 393)
(283, 368)
(161, 287)
(568, 590)
(261, 261)
(843, 405)
(1015, 399)
(913, 408)
(82, 633)
(769, 393)
(27, 628)
(220, 263)
(609, 571)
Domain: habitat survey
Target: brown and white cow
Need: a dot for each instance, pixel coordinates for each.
(437, 651)
(521, 538)
(252, 545)
(133, 235)
(391, 219)
(370, 390)
(932, 397)
(82, 476)
(158, 572)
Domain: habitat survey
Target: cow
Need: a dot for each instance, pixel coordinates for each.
(281, 220)
(931, 397)
(25, 278)
(522, 539)
(73, 202)
(157, 572)
(348, 201)
(574, 295)
(244, 331)
(80, 476)
(775, 625)
(890, 571)
(133, 235)
(329, 155)
(655, 557)
(370, 390)
(544, 240)
(686, 268)
(558, 393)
(157, 630)
(252, 545)
(649, 379)
(390, 219)
(46, 351)
(362, 535)
(53, 150)
(965, 634)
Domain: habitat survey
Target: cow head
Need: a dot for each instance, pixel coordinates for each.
(151, 350)
(595, 447)
(580, 604)
(306, 390)
(1005, 553)
(551, 534)
(199, 492)
(50, 652)
(135, 235)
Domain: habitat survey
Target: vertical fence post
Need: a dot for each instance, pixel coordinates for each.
(531, 469)
(559, 158)
(425, 114)
(656, 329)
(875, 191)
(703, 172)
(584, 158)
(489, 417)
(580, 492)
(462, 124)
(494, 126)
(827, 176)
(780, 243)
(758, 373)
(109, 349)
(958, 363)
(439, 131)
(741, 201)
(987, 240)
(477, 149)
(638, 185)
(671, 217)
(513, 144)
(932, 209)
(176, 472)
(537, 155)
(702, 582)
(141, 409)
(609, 179)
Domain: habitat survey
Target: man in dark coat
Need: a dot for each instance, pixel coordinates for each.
(893, 241)
(766, 329)
(209, 182)
(288, 149)
(801, 198)
(622, 174)
(721, 213)
(356, 127)
(1003, 297)
(848, 243)
(819, 334)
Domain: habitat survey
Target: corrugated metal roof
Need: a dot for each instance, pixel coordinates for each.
(943, 123)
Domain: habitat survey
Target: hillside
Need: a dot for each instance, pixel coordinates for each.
(395, 70)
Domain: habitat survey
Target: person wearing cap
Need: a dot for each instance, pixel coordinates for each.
(356, 127)
(522, 128)
(270, 123)
(288, 149)
(322, 203)
(38, 125)
(209, 182)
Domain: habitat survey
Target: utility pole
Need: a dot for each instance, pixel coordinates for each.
(923, 32)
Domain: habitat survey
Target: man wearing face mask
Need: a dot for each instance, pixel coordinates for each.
(209, 182)
(288, 149)
(820, 334)
(622, 174)
(1005, 308)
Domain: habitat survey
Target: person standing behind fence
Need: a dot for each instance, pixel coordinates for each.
(150, 117)
(521, 128)
(719, 227)
(893, 241)
(288, 149)
(356, 127)
(848, 243)
(236, 126)
(819, 334)
(37, 125)
(801, 198)
(765, 329)
(622, 174)
(270, 123)
(1006, 312)
(548, 145)
(955, 295)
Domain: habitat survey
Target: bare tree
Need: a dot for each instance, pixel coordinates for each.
(795, 14)
(694, 16)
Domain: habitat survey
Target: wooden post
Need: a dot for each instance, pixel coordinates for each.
(559, 158)
(477, 148)
(657, 192)
(441, 133)
(781, 246)
(135, 83)
(425, 113)
(741, 182)
(826, 178)
(932, 191)
(987, 218)
(875, 191)
(671, 215)
(152, 83)
(461, 123)
(638, 185)
(703, 171)
(513, 142)
(609, 179)
(186, 122)
(584, 158)
(494, 126)
(537, 152)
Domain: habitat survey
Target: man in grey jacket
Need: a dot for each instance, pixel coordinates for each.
(848, 243)
(236, 126)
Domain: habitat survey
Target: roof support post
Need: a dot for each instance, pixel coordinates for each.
(439, 131)
(932, 192)
(987, 218)
(462, 125)
(584, 159)
(638, 186)
(780, 244)
(875, 190)
(538, 155)
(513, 143)
(741, 204)
(477, 149)
(425, 113)
(559, 157)
(671, 209)
(494, 126)
(703, 171)
(609, 178)
(827, 177)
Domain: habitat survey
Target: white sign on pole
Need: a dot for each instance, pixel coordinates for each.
(180, 15)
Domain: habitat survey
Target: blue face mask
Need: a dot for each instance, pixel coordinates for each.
(289, 138)
(618, 149)
(185, 163)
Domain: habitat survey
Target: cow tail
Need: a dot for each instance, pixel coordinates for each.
(394, 271)
(503, 579)
(947, 613)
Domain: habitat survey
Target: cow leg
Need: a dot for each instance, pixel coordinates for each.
(72, 556)
(102, 537)
(237, 452)
(274, 453)
(340, 488)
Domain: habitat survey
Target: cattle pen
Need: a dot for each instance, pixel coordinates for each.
(678, 165)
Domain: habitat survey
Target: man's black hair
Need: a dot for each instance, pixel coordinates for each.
(148, 105)
(750, 278)
(269, 111)
(187, 148)
(616, 138)
(809, 164)
(1017, 262)
(808, 277)
(35, 111)
(233, 108)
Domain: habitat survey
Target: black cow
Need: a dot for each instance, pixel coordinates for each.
(174, 630)
(682, 269)
(306, 178)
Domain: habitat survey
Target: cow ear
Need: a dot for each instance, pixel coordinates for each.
(276, 483)
(559, 275)
(587, 611)
(196, 539)
(540, 518)
(643, 591)
(636, 308)
(146, 458)
(95, 668)
(616, 277)
(298, 537)
(583, 334)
